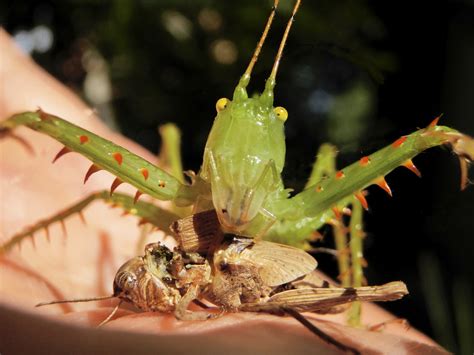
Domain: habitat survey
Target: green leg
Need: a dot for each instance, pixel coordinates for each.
(350, 181)
(357, 258)
(105, 155)
(147, 212)
(170, 158)
(324, 165)
(170, 152)
(343, 253)
(324, 198)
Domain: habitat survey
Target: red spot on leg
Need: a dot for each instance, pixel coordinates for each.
(383, 184)
(144, 172)
(340, 174)
(137, 196)
(93, 169)
(410, 166)
(118, 157)
(83, 139)
(361, 197)
(364, 161)
(63, 151)
(116, 183)
(399, 142)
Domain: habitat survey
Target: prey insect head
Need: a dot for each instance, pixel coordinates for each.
(127, 277)
(145, 281)
(155, 281)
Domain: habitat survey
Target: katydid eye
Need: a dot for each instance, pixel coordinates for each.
(221, 104)
(281, 113)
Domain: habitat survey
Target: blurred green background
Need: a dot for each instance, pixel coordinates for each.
(356, 73)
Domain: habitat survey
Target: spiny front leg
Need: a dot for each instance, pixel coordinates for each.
(105, 155)
(372, 169)
(147, 212)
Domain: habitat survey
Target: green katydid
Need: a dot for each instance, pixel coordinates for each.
(241, 172)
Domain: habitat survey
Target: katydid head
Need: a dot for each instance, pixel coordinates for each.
(245, 150)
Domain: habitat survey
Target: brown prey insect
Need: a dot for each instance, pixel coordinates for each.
(235, 274)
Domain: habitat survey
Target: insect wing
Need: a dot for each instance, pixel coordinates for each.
(278, 263)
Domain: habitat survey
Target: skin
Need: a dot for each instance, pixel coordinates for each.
(84, 263)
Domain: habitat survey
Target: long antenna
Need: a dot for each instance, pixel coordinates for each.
(283, 42)
(254, 59)
(76, 300)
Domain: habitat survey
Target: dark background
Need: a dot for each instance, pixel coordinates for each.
(356, 73)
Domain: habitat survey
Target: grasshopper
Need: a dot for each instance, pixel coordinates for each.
(236, 274)
(240, 177)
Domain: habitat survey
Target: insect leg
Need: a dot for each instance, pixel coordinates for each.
(148, 213)
(324, 165)
(312, 328)
(314, 299)
(357, 259)
(170, 153)
(128, 167)
(270, 218)
(182, 313)
(372, 169)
